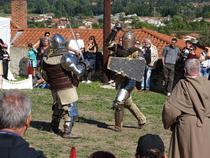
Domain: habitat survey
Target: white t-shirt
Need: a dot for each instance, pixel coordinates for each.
(76, 44)
(206, 63)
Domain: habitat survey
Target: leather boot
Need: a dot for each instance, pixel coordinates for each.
(119, 112)
(56, 117)
(67, 131)
(68, 134)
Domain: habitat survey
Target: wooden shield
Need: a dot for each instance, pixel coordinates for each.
(131, 68)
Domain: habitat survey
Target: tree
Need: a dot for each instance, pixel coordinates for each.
(204, 40)
(41, 6)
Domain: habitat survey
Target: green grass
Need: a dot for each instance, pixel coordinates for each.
(95, 115)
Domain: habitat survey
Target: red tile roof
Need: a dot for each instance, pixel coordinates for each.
(32, 35)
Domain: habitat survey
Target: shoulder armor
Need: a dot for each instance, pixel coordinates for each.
(52, 60)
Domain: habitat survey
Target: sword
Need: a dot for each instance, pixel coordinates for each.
(74, 37)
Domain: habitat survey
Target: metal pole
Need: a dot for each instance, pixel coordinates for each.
(106, 32)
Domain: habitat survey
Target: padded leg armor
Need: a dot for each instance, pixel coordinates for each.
(73, 111)
(56, 117)
(135, 111)
(121, 96)
(68, 122)
(118, 115)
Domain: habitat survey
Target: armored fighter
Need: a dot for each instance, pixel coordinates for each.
(62, 70)
(129, 67)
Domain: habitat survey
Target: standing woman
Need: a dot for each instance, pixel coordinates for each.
(90, 55)
(4, 57)
(32, 58)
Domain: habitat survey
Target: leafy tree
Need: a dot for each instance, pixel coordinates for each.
(7, 8)
(97, 26)
(204, 40)
(41, 6)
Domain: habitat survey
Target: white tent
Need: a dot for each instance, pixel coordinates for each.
(5, 35)
(5, 31)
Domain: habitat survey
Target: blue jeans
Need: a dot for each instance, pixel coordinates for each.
(128, 84)
(145, 84)
(204, 72)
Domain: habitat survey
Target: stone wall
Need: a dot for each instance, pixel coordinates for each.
(18, 63)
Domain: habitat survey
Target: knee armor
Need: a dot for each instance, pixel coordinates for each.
(121, 97)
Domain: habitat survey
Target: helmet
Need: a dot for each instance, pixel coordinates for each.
(128, 40)
(58, 41)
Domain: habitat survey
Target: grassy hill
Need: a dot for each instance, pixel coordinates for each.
(95, 123)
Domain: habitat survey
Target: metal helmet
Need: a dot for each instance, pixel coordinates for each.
(58, 41)
(128, 40)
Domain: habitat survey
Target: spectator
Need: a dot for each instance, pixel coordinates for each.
(208, 57)
(205, 64)
(188, 54)
(39, 81)
(90, 55)
(170, 55)
(32, 58)
(187, 113)
(102, 154)
(43, 45)
(192, 53)
(150, 54)
(137, 44)
(182, 57)
(15, 118)
(186, 50)
(76, 46)
(4, 57)
(150, 146)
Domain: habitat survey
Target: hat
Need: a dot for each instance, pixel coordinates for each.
(148, 142)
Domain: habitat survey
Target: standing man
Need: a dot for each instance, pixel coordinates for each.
(124, 85)
(170, 55)
(76, 45)
(150, 54)
(60, 70)
(187, 114)
(15, 118)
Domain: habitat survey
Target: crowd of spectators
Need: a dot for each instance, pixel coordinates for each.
(190, 112)
(173, 59)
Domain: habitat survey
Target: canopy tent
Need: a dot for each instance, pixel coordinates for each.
(5, 35)
(5, 31)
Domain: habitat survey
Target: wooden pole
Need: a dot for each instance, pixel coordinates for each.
(106, 32)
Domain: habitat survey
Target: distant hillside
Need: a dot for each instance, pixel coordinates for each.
(190, 8)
